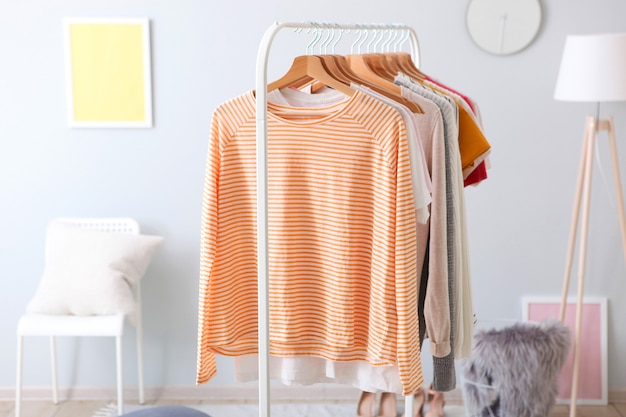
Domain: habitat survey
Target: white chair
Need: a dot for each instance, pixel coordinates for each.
(69, 325)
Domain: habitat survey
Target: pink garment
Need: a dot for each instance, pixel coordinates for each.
(464, 97)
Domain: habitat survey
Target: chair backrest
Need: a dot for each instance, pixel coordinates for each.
(114, 225)
(101, 224)
(104, 224)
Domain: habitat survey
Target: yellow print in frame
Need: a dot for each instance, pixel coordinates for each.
(108, 72)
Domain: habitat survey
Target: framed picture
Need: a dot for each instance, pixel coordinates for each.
(593, 372)
(108, 74)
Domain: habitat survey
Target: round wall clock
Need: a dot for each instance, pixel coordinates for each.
(503, 27)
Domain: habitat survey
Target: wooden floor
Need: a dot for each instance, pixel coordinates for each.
(81, 408)
(87, 408)
(612, 410)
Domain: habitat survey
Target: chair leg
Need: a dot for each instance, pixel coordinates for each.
(120, 389)
(18, 378)
(139, 330)
(53, 357)
(142, 399)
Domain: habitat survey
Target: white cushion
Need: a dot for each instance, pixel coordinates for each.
(91, 273)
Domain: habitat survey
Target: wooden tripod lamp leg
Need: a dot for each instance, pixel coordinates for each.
(610, 127)
(582, 256)
(583, 196)
(575, 217)
(590, 136)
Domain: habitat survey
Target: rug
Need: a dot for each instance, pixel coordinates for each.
(277, 410)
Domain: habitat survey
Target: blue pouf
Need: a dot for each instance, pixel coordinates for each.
(166, 411)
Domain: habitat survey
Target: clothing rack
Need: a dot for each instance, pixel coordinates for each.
(261, 161)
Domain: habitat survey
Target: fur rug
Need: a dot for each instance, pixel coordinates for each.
(513, 371)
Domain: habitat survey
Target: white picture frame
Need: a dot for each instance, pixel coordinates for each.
(108, 72)
(593, 370)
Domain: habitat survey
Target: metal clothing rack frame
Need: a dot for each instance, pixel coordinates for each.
(261, 161)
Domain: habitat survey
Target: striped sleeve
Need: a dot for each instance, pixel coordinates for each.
(206, 367)
(225, 122)
(407, 344)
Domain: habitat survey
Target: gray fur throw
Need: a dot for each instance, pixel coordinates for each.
(513, 371)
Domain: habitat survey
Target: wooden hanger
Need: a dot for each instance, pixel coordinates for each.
(392, 63)
(334, 69)
(344, 66)
(359, 65)
(379, 64)
(406, 65)
(308, 68)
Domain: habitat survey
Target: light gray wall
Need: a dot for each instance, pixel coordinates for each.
(204, 52)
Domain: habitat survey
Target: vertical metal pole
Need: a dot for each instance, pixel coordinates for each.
(262, 178)
(262, 241)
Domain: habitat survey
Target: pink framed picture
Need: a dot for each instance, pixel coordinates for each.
(593, 373)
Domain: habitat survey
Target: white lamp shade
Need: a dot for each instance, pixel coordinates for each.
(593, 68)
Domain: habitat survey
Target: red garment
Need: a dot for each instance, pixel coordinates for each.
(477, 175)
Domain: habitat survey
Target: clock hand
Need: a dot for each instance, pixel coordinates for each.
(502, 24)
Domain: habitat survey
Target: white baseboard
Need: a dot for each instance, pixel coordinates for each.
(238, 393)
(617, 395)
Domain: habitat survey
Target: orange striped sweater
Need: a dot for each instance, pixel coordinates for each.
(342, 240)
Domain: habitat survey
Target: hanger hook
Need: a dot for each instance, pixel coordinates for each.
(398, 39)
(331, 36)
(375, 34)
(308, 46)
(367, 35)
(404, 38)
(341, 30)
(385, 32)
(359, 34)
(319, 32)
(382, 31)
(318, 44)
(298, 31)
(393, 34)
(316, 35)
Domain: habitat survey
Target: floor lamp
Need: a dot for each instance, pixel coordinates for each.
(593, 69)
